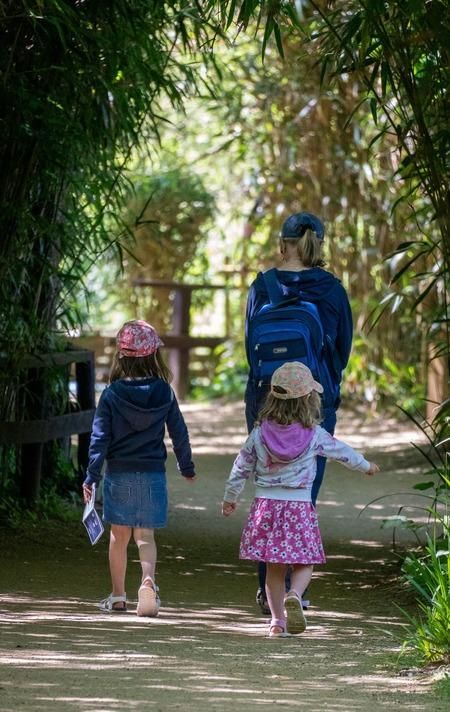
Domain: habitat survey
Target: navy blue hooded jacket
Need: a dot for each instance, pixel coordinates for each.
(129, 428)
(326, 291)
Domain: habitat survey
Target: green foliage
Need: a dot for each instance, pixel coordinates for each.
(59, 497)
(49, 507)
(428, 573)
(81, 87)
(167, 216)
(81, 90)
(442, 688)
(59, 478)
(399, 53)
(306, 146)
(383, 382)
(229, 380)
(434, 489)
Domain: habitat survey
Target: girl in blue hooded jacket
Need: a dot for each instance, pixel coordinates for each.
(302, 275)
(128, 434)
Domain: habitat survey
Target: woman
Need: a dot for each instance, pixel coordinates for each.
(301, 275)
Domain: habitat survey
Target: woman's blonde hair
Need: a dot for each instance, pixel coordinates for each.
(139, 367)
(309, 249)
(305, 410)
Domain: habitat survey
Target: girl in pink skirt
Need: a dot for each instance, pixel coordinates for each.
(282, 527)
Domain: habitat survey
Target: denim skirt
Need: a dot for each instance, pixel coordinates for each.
(135, 499)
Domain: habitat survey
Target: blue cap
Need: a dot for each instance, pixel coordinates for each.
(296, 225)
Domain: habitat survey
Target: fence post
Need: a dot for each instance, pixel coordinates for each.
(85, 378)
(30, 466)
(179, 363)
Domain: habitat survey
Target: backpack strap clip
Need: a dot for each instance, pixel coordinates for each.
(274, 289)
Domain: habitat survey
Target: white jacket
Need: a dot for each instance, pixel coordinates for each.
(276, 477)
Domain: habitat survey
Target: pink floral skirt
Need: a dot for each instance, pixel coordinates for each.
(282, 532)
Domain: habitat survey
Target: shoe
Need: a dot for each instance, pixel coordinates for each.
(261, 601)
(277, 623)
(148, 600)
(108, 604)
(287, 582)
(295, 618)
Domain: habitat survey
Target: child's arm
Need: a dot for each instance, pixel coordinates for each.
(179, 435)
(328, 446)
(100, 439)
(243, 467)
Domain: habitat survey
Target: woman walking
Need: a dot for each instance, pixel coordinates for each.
(301, 276)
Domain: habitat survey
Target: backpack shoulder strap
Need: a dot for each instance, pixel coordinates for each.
(273, 286)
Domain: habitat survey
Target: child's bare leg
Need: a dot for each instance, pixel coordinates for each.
(148, 599)
(145, 542)
(275, 589)
(118, 544)
(300, 578)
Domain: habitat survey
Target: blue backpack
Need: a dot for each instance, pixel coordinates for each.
(287, 329)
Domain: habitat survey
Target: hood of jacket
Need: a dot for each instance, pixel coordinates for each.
(285, 442)
(140, 402)
(312, 284)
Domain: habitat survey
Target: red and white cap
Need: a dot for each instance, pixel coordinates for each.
(137, 338)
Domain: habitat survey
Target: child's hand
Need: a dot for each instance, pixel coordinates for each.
(372, 469)
(228, 508)
(87, 493)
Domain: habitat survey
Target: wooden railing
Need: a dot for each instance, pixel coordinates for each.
(179, 339)
(30, 435)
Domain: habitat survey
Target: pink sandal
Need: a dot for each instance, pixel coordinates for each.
(277, 623)
(148, 599)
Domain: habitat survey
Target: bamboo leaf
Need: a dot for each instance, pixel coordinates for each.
(424, 485)
(408, 264)
(424, 293)
(270, 26)
(373, 109)
(278, 39)
(231, 13)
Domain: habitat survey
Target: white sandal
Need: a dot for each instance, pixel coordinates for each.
(108, 604)
(148, 599)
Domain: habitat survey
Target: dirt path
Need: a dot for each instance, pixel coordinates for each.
(208, 650)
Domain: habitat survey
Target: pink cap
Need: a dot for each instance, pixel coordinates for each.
(137, 338)
(295, 379)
